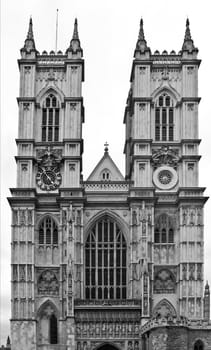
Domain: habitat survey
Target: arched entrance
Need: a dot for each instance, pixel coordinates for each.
(107, 347)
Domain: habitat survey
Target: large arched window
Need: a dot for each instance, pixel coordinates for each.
(198, 345)
(164, 119)
(105, 261)
(48, 232)
(164, 231)
(50, 119)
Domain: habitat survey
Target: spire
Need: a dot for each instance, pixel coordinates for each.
(75, 45)
(30, 31)
(141, 31)
(29, 44)
(141, 45)
(75, 31)
(8, 341)
(188, 44)
(207, 302)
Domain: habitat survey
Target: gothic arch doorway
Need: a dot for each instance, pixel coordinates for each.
(107, 347)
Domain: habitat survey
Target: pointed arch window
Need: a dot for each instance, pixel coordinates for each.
(105, 261)
(50, 119)
(164, 229)
(164, 118)
(48, 232)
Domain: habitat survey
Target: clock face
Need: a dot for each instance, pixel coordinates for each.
(165, 178)
(48, 179)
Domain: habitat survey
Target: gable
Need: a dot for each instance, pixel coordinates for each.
(106, 170)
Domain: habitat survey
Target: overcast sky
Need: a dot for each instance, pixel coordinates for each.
(108, 32)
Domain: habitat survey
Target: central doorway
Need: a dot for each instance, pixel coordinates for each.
(107, 347)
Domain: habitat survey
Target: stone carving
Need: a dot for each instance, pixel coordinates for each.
(78, 217)
(192, 217)
(199, 217)
(134, 217)
(191, 271)
(15, 217)
(29, 272)
(199, 272)
(164, 309)
(191, 306)
(130, 347)
(198, 307)
(165, 156)
(48, 283)
(49, 156)
(184, 217)
(30, 221)
(159, 341)
(136, 271)
(15, 272)
(22, 272)
(105, 330)
(145, 310)
(22, 217)
(78, 273)
(164, 282)
(184, 271)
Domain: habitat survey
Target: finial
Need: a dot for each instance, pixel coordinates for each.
(29, 44)
(75, 31)
(141, 30)
(75, 46)
(106, 147)
(187, 31)
(188, 44)
(141, 45)
(30, 31)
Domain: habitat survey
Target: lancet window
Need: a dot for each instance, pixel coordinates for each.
(164, 229)
(105, 261)
(48, 232)
(50, 119)
(164, 119)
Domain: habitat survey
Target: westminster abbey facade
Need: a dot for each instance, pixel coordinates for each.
(112, 262)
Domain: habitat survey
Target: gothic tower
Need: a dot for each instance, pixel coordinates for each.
(49, 166)
(112, 262)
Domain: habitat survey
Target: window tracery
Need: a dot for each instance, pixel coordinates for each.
(164, 118)
(48, 232)
(164, 229)
(50, 119)
(105, 261)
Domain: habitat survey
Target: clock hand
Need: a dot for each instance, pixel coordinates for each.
(48, 177)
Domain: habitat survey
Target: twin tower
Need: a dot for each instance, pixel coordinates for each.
(111, 262)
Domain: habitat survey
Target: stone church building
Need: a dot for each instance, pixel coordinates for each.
(111, 262)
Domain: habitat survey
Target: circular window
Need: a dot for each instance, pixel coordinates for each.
(165, 178)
